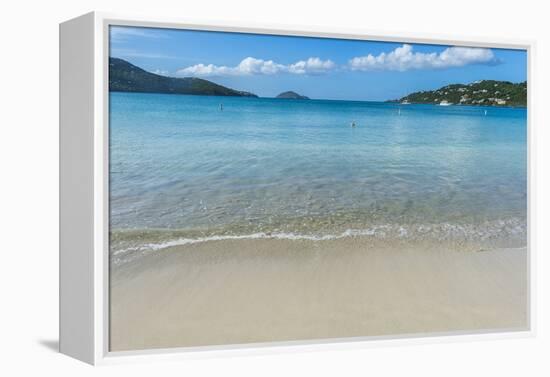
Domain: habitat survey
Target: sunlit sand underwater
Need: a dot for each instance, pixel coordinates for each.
(276, 220)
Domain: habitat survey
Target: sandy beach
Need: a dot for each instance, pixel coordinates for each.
(248, 291)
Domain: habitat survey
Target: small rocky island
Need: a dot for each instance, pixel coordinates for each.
(291, 95)
(481, 93)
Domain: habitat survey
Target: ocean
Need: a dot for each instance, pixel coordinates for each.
(183, 170)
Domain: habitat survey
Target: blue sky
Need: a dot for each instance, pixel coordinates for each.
(316, 67)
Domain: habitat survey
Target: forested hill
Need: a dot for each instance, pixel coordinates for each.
(126, 77)
(485, 92)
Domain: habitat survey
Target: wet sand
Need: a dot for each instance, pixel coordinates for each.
(248, 291)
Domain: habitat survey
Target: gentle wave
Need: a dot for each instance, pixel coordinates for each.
(260, 235)
(500, 229)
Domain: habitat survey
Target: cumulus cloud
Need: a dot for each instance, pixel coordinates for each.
(311, 66)
(404, 58)
(252, 66)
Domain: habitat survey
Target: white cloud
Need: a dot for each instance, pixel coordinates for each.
(312, 66)
(161, 72)
(404, 58)
(253, 66)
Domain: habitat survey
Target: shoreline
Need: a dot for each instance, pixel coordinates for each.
(485, 235)
(396, 102)
(263, 290)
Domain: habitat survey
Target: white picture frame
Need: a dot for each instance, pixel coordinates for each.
(84, 191)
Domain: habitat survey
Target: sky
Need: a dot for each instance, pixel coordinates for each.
(320, 68)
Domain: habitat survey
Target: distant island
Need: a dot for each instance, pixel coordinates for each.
(481, 93)
(126, 77)
(291, 95)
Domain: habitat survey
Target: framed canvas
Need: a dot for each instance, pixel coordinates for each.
(238, 189)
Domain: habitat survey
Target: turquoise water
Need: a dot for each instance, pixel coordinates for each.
(182, 170)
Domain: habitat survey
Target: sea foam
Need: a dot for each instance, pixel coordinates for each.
(459, 233)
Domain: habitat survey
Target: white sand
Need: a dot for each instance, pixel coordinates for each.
(229, 292)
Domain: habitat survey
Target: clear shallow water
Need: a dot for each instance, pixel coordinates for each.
(181, 170)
